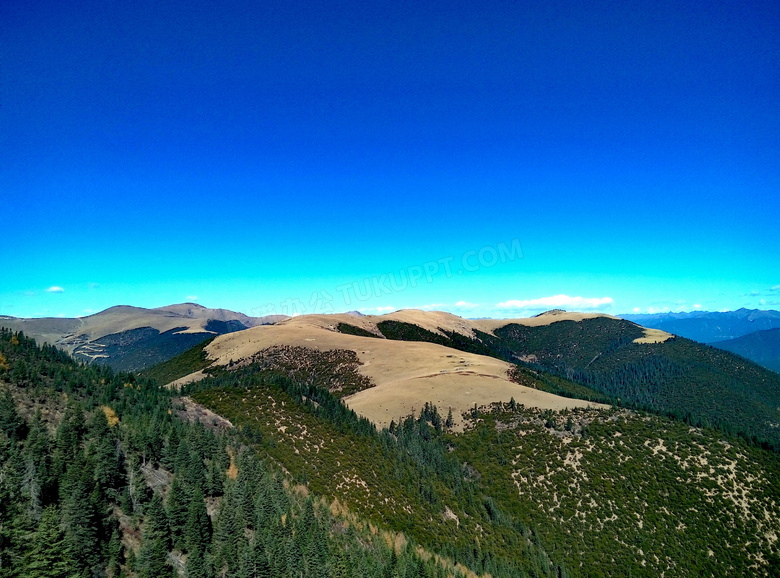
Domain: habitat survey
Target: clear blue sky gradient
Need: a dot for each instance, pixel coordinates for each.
(259, 156)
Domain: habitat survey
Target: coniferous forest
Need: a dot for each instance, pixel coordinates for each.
(98, 477)
(261, 470)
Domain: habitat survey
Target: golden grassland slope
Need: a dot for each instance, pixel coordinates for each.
(406, 374)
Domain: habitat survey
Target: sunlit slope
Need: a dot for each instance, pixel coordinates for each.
(405, 375)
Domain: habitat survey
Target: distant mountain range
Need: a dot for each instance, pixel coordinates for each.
(751, 333)
(709, 326)
(763, 347)
(133, 338)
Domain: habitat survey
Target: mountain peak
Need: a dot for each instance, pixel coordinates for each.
(551, 312)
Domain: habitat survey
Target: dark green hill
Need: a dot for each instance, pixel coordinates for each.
(190, 361)
(678, 377)
(762, 347)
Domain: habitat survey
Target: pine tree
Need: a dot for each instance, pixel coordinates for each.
(115, 554)
(48, 557)
(295, 556)
(227, 531)
(152, 558)
(262, 567)
(182, 456)
(276, 538)
(177, 506)
(197, 532)
(215, 478)
(39, 447)
(195, 472)
(11, 423)
(82, 531)
(316, 554)
(340, 567)
(196, 564)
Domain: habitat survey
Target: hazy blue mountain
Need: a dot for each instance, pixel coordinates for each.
(709, 326)
(763, 347)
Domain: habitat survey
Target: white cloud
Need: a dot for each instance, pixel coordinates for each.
(55, 289)
(191, 298)
(775, 288)
(560, 301)
(637, 309)
(466, 304)
(429, 306)
(377, 309)
(697, 305)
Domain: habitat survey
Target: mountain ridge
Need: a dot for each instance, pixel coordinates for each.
(132, 338)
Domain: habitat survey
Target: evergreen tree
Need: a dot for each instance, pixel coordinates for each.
(215, 478)
(11, 423)
(115, 554)
(177, 506)
(197, 533)
(80, 519)
(227, 532)
(316, 554)
(295, 556)
(194, 473)
(340, 567)
(68, 438)
(38, 447)
(182, 456)
(48, 557)
(140, 493)
(152, 558)
(197, 566)
(262, 568)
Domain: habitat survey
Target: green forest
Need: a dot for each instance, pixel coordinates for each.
(99, 476)
(261, 470)
(597, 359)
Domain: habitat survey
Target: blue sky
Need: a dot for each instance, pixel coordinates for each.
(277, 157)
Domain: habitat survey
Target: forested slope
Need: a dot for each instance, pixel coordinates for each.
(99, 477)
(598, 359)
